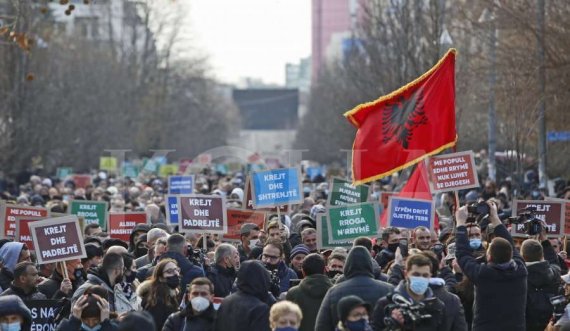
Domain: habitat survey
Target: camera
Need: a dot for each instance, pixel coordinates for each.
(438, 250)
(477, 212)
(532, 225)
(414, 313)
(559, 303)
(274, 283)
(196, 256)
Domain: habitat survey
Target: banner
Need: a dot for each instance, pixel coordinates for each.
(552, 212)
(91, 211)
(63, 172)
(130, 170)
(181, 184)
(248, 200)
(202, 213)
(57, 239)
(171, 210)
(410, 213)
(82, 181)
(276, 187)
(120, 225)
(108, 163)
(344, 193)
(452, 172)
(238, 217)
(43, 314)
(166, 170)
(352, 221)
(323, 235)
(9, 212)
(385, 198)
(566, 227)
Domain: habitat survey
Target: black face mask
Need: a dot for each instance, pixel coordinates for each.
(333, 273)
(271, 267)
(392, 247)
(141, 251)
(173, 281)
(131, 277)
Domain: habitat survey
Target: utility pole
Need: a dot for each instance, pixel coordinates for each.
(542, 100)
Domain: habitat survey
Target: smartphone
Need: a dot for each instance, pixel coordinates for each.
(403, 247)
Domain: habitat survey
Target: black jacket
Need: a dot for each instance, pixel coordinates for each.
(248, 308)
(500, 289)
(74, 324)
(33, 295)
(309, 295)
(6, 278)
(186, 320)
(454, 314)
(359, 280)
(50, 287)
(188, 270)
(543, 280)
(223, 280)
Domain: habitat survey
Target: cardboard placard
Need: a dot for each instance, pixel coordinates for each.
(9, 212)
(91, 211)
(82, 181)
(108, 163)
(43, 314)
(120, 225)
(166, 170)
(352, 221)
(344, 193)
(452, 172)
(202, 213)
(552, 212)
(238, 217)
(410, 213)
(181, 184)
(385, 198)
(323, 241)
(171, 210)
(57, 239)
(22, 233)
(276, 187)
(248, 200)
(566, 206)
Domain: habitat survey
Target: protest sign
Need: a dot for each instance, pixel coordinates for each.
(183, 165)
(108, 163)
(9, 212)
(202, 213)
(410, 213)
(452, 172)
(238, 217)
(166, 170)
(313, 172)
(566, 207)
(248, 200)
(552, 212)
(57, 239)
(43, 314)
(272, 163)
(63, 172)
(205, 159)
(91, 211)
(276, 187)
(352, 221)
(82, 181)
(22, 233)
(171, 210)
(120, 225)
(323, 235)
(385, 198)
(344, 193)
(181, 184)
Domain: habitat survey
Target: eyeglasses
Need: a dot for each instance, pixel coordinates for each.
(172, 271)
(270, 257)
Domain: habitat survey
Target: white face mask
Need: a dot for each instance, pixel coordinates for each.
(253, 242)
(200, 304)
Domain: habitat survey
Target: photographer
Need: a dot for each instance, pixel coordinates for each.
(501, 283)
(272, 258)
(429, 313)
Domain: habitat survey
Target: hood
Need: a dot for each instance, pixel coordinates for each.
(358, 263)
(541, 275)
(138, 227)
(99, 277)
(507, 266)
(253, 278)
(315, 286)
(10, 252)
(12, 304)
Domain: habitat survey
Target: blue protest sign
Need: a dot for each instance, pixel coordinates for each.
(180, 184)
(276, 187)
(313, 172)
(171, 210)
(410, 213)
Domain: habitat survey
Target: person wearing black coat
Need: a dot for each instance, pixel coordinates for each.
(500, 284)
(223, 273)
(248, 308)
(51, 287)
(199, 313)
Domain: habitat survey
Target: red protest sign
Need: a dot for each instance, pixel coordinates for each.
(82, 181)
(57, 239)
(238, 217)
(120, 225)
(8, 214)
(202, 213)
(451, 172)
(566, 207)
(248, 201)
(549, 211)
(385, 197)
(22, 233)
(183, 165)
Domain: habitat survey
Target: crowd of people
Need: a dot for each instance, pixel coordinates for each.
(468, 274)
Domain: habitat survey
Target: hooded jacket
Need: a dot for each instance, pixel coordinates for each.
(11, 304)
(543, 280)
(248, 308)
(10, 253)
(186, 320)
(454, 314)
(137, 228)
(96, 276)
(359, 280)
(500, 289)
(50, 287)
(74, 324)
(309, 295)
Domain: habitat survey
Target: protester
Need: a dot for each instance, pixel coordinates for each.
(136, 320)
(335, 266)
(93, 259)
(249, 236)
(152, 236)
(353, 314)
(136, 233)
(390, 241)
(126, 298)
(56, 287)
(309, 238)
(273, 259)
(285, 316)
(199, 313)
(178, 251)
(14, 315)
(421, 238)
(298, 254)
(90, 312)
(25, 282)
(92, 229)
(223, 273)
(12, 253)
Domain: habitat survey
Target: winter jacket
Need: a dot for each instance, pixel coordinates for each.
(188, 271)
(543, 282)
(309, 295)
(10, 254)
(454, 314)
(137, 228)
(50, 287)
(186, 320)
(13, 305)
(34, 294)
(126, 298)
(96, 276)
(223, 280)
(160, 311)
(74, 324)
(285, 274)
(384, 257)
(435, 308)
(500, 289)
(358, 281)
(142, 261)
(248, 308)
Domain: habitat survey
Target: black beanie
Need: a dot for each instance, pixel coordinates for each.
(348, 303)
(137, 320)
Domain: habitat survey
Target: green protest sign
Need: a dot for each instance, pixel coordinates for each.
(323, 241)
(352, 221)
(63, 172)
(91, 211)
(344, 193)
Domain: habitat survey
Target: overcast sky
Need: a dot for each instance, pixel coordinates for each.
(251, 38)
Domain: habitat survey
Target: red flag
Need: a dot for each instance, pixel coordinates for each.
(406, 126)
(417, 187)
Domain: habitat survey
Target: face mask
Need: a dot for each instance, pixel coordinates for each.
(78, 274)
(289, 328)
(419, 285)
(253, 242)
(359, 325)
(131, 278)
(333, 273)
(474, 243)
(200, 304)
(392, 247)
(10, 326)
(173, 281)
(142, 251)
(87, 328)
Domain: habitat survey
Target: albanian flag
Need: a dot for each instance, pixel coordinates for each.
(406, 126)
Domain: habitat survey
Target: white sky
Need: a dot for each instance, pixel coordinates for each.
(251, 38)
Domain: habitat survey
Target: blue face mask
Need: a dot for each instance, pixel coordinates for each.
(475, 243)
(359, 325)
(289, 328)
(419, 285)
(10, 326)
(87, 328)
